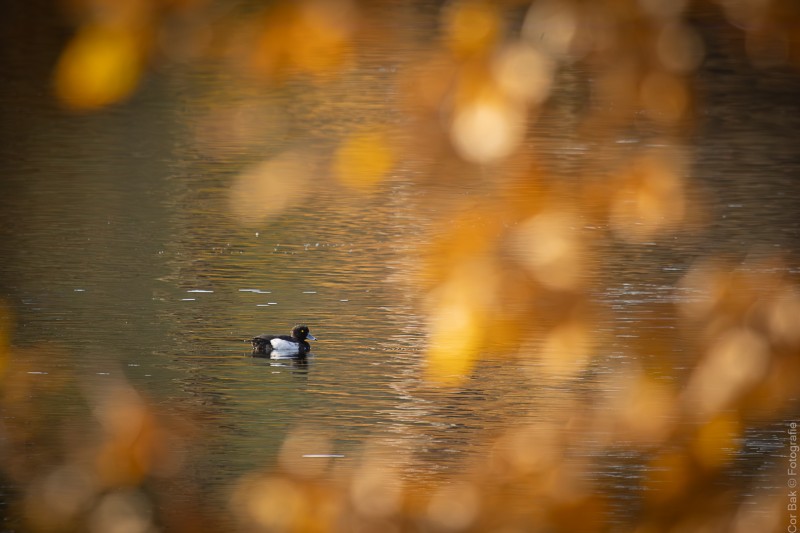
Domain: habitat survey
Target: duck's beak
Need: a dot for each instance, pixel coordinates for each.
(312, 337)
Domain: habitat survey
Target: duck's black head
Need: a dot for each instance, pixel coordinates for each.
(301, 333)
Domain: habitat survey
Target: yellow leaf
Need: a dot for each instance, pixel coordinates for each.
(363, 160)
(100, 66)
(460, 318)
(471, 27)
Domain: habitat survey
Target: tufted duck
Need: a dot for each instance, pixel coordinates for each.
(277, 346)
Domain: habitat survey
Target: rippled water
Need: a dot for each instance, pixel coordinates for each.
(119, 248)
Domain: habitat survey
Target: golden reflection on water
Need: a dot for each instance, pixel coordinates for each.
(270, 187)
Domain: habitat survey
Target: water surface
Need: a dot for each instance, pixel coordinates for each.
(119, 247)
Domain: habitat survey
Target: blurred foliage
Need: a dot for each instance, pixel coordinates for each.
(521, 257)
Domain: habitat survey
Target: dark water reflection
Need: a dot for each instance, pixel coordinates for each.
(118, 246)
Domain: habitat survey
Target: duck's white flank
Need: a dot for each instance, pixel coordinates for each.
(281, 345)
